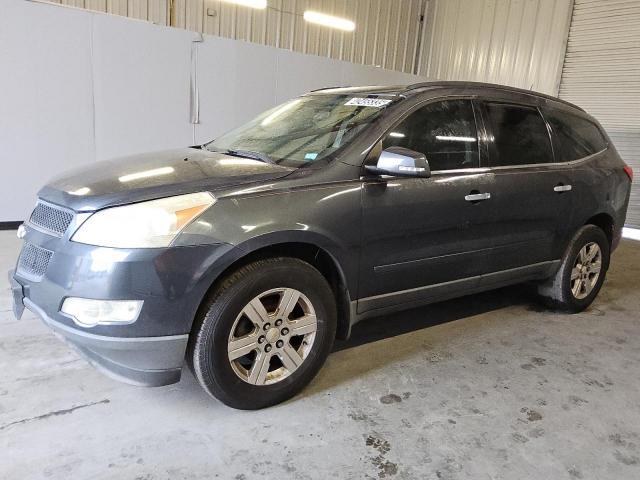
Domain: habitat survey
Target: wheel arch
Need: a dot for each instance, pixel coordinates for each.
(306, 249)
(604, 221)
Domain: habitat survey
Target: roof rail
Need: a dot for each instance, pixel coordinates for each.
(495, 86)
(329, 88)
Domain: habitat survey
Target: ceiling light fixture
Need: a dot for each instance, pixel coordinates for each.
(329, 21)
(249, 3)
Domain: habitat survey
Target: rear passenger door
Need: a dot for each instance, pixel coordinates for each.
(530, 197)
(577, 138)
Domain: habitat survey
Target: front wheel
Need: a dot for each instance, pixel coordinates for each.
(582, 271)
(264, 334)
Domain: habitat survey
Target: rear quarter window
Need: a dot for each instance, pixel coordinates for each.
(574, 137)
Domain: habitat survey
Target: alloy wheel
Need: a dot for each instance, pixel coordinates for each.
(272, 336)
(586, 270)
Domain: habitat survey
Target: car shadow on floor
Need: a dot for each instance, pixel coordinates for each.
(392, 325)
(388, 326)
(616, 286)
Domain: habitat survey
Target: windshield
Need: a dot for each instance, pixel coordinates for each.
(304, 130)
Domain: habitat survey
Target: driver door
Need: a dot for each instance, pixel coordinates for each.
(424, 237)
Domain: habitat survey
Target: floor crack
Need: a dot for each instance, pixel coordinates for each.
(54, 413)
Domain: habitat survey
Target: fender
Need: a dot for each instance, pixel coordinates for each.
(306, 216)
(233, 254)
(346, 266)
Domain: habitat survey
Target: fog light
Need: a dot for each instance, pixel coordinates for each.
(87, 312)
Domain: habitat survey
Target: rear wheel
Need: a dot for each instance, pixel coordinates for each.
(582, 271)
(264, 334)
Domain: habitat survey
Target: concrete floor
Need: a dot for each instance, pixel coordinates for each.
(495, 387)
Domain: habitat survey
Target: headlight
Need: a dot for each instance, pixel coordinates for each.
(87, 312)
(143, 225)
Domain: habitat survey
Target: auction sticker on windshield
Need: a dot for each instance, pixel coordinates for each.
(369, 102)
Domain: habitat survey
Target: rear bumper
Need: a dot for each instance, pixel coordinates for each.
(144, 361)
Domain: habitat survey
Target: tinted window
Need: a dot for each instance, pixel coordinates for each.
(520, 135)
(575, 137)
(444, 131)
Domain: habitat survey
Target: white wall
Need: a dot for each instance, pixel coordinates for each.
(78, 86)
(46, 98)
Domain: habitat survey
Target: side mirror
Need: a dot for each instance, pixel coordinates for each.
(400, 162)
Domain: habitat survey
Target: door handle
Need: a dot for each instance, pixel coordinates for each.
(562, 188)
(477, 197)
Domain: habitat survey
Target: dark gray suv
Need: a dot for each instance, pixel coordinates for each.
(249, 255)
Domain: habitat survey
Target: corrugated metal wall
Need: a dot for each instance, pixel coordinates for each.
(156, 11)
(512, 42)
(387, 31)
(601, 73)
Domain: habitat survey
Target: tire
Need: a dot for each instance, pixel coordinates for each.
(233, 313)
(561, 291)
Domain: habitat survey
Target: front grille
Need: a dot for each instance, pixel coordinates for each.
(51, 218)
(33, 261)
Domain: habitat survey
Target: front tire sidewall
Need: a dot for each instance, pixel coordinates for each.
(211, 363)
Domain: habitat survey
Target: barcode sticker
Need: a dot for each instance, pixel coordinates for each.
(368, 102)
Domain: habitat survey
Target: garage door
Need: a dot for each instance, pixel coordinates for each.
(601, 73)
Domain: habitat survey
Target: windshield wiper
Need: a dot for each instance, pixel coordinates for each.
(249, 154)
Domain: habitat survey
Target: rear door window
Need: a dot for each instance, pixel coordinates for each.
(574, 137)
(444, 131)
(518, 135)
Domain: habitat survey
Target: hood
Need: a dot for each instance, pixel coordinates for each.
(154, 175)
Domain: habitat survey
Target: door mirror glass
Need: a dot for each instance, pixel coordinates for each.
(400, 162)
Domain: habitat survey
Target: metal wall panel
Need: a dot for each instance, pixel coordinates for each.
(601, 73)
(386, 32)
(156, 11)
(512, 42)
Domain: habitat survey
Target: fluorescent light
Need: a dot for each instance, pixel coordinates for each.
(249, 3)
(156, 172)
(455, 139)
(397, 134)
(329, 21)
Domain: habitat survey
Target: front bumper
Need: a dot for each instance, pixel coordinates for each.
(171, 282)
(144, 361)
(18, 295)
